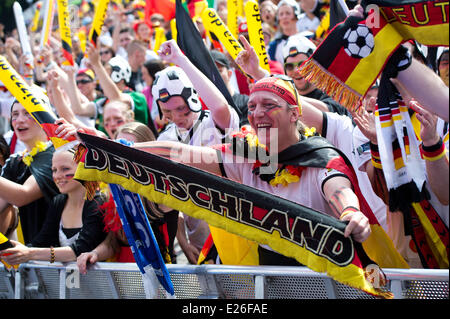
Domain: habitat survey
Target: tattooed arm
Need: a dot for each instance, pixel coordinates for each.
(344, 203)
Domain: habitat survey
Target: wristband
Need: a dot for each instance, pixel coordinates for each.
(375, 154)
(434, 152)
(52, 254)
(347, 210)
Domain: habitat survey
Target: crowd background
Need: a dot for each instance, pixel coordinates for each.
(110, 89)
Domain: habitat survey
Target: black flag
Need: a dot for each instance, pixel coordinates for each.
(337, 13)
(191, 43)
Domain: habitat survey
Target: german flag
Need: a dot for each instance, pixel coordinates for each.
(5, 244)
(99, 19)
(64, 31)
(191, 43)
(195, 7)
(350, 59)
(431, 236)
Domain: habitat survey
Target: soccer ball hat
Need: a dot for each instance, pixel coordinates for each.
(121, 69)
(297, 44)
(172, 81)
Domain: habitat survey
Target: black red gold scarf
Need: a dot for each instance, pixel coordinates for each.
(314, 239)
(352, 56)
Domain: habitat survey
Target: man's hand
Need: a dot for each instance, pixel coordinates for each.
(366, 123)
(358, 226)
(248, 61)
(428, 132)
(170, 52)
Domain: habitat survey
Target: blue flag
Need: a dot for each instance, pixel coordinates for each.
(140, 235)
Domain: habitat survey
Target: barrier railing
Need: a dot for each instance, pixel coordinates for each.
(39, 280)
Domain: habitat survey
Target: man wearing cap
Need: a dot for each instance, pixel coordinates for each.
(273, 111)
(175, 91)
(297, 50)
(85, 80)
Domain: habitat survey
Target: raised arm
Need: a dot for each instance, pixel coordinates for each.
(110, 89)
(80, 104)
(59, 100)
(248, 61)
(426, 87)
(210, 95)
(437, 167)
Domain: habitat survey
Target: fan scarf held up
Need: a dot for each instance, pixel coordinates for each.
(351, 58)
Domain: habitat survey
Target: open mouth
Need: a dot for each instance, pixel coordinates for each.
(22, 129)
(263, 125)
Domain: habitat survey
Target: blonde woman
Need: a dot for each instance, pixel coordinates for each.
(163, 219)
(74, 224)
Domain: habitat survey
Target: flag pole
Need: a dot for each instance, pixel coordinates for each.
(344, 6)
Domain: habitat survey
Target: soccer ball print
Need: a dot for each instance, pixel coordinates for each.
(358, 41)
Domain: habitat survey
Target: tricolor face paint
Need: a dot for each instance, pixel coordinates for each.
(63, 171)
(268, 115)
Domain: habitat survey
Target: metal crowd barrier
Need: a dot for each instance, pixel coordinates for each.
(42, 280)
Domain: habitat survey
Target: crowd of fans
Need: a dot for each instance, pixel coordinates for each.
(112, 89)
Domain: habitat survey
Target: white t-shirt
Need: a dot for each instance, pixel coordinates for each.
(204, 133)
(349, 139)
(304, 23)
(280, 45)
(307, 191)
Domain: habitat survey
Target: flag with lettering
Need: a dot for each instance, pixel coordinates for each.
(350, 59)
(313, 238)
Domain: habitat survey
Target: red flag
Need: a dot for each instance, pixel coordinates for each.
(164, 7)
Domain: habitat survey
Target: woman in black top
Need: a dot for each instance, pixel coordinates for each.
(74, 225)
(26, 178)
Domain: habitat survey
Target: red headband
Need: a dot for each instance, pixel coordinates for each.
(278, 87)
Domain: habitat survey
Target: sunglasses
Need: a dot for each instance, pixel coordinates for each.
(290, 66)
(84, 81)
(287, 79)
(104, 52)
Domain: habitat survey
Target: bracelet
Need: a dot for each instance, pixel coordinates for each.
(52, 254)
(347, 210)
(375, 154)
(434, 152)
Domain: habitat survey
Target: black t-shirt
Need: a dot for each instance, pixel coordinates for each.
(135, 79)
(91, 233)
(241, 100)
(33, 215)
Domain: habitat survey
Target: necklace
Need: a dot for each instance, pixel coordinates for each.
(286, 174)
(27, 157)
